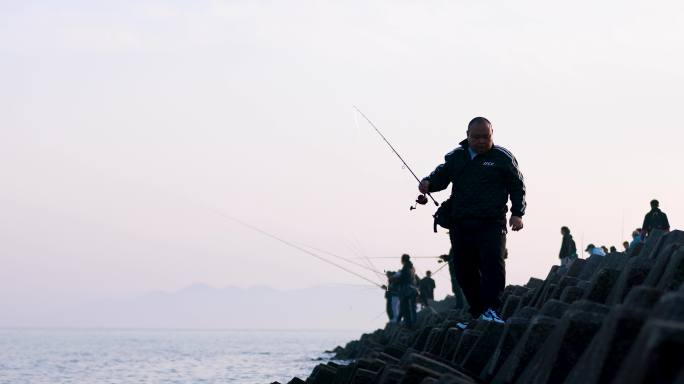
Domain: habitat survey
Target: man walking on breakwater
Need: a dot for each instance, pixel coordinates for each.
(483, 176)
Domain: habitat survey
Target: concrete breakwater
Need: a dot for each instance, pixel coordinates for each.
(613, 319)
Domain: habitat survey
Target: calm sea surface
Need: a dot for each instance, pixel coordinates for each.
(163, 356)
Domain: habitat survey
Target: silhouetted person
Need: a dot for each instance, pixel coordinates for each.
(482, 177)
(636, 240)
(568, 251)
(654, 219)
(408, 291)
(625, 245)
(594, 250)
(613, 249)
(392, 296)
(427, 288)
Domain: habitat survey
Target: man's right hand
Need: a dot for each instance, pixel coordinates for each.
(424, 186)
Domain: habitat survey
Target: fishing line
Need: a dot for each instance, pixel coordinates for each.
(341, 258)
(360, 255)
(352, 285)
(363, 252)
(296, 247)
(395, 257)
(354, 249)
(350, 248)
(378, 316)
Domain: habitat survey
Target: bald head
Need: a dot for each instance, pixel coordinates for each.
(480, 135)
(479, 120)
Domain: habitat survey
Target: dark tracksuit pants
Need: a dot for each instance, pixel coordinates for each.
(478, 249)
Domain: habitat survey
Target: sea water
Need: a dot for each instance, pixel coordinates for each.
(162, 356)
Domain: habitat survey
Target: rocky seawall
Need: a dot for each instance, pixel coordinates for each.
(614, 319)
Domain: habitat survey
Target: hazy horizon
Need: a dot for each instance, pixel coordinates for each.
(127, 129)
(200, 306)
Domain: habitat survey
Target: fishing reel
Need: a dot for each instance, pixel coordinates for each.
(421, 199)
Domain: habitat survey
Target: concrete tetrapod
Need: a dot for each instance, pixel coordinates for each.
(656, 356)
(513, 331)
(634, 273)
(603, 357)
(566, 343)
(535, 335)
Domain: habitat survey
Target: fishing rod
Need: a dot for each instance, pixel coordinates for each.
(343, 258)
(289, 244)
(440, 268)
(422, 200)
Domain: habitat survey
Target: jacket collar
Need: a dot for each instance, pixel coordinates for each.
(465, 146)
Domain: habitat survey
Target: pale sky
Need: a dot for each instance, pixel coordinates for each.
(126, 126)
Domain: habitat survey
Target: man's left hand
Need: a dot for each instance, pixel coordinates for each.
(516, 223)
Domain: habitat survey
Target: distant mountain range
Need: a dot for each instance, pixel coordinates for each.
(201, 306)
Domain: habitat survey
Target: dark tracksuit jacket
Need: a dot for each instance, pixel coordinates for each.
(480, 188)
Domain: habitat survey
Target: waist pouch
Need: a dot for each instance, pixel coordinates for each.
(443, 216)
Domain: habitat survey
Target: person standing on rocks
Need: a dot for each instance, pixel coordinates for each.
(654, 219)
(392, 296)
(636, 240)
(568, 251)
(427, 289)
(408, 291)
(483, 176)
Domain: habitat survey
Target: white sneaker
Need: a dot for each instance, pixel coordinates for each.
(462, 325)
(491, 315)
